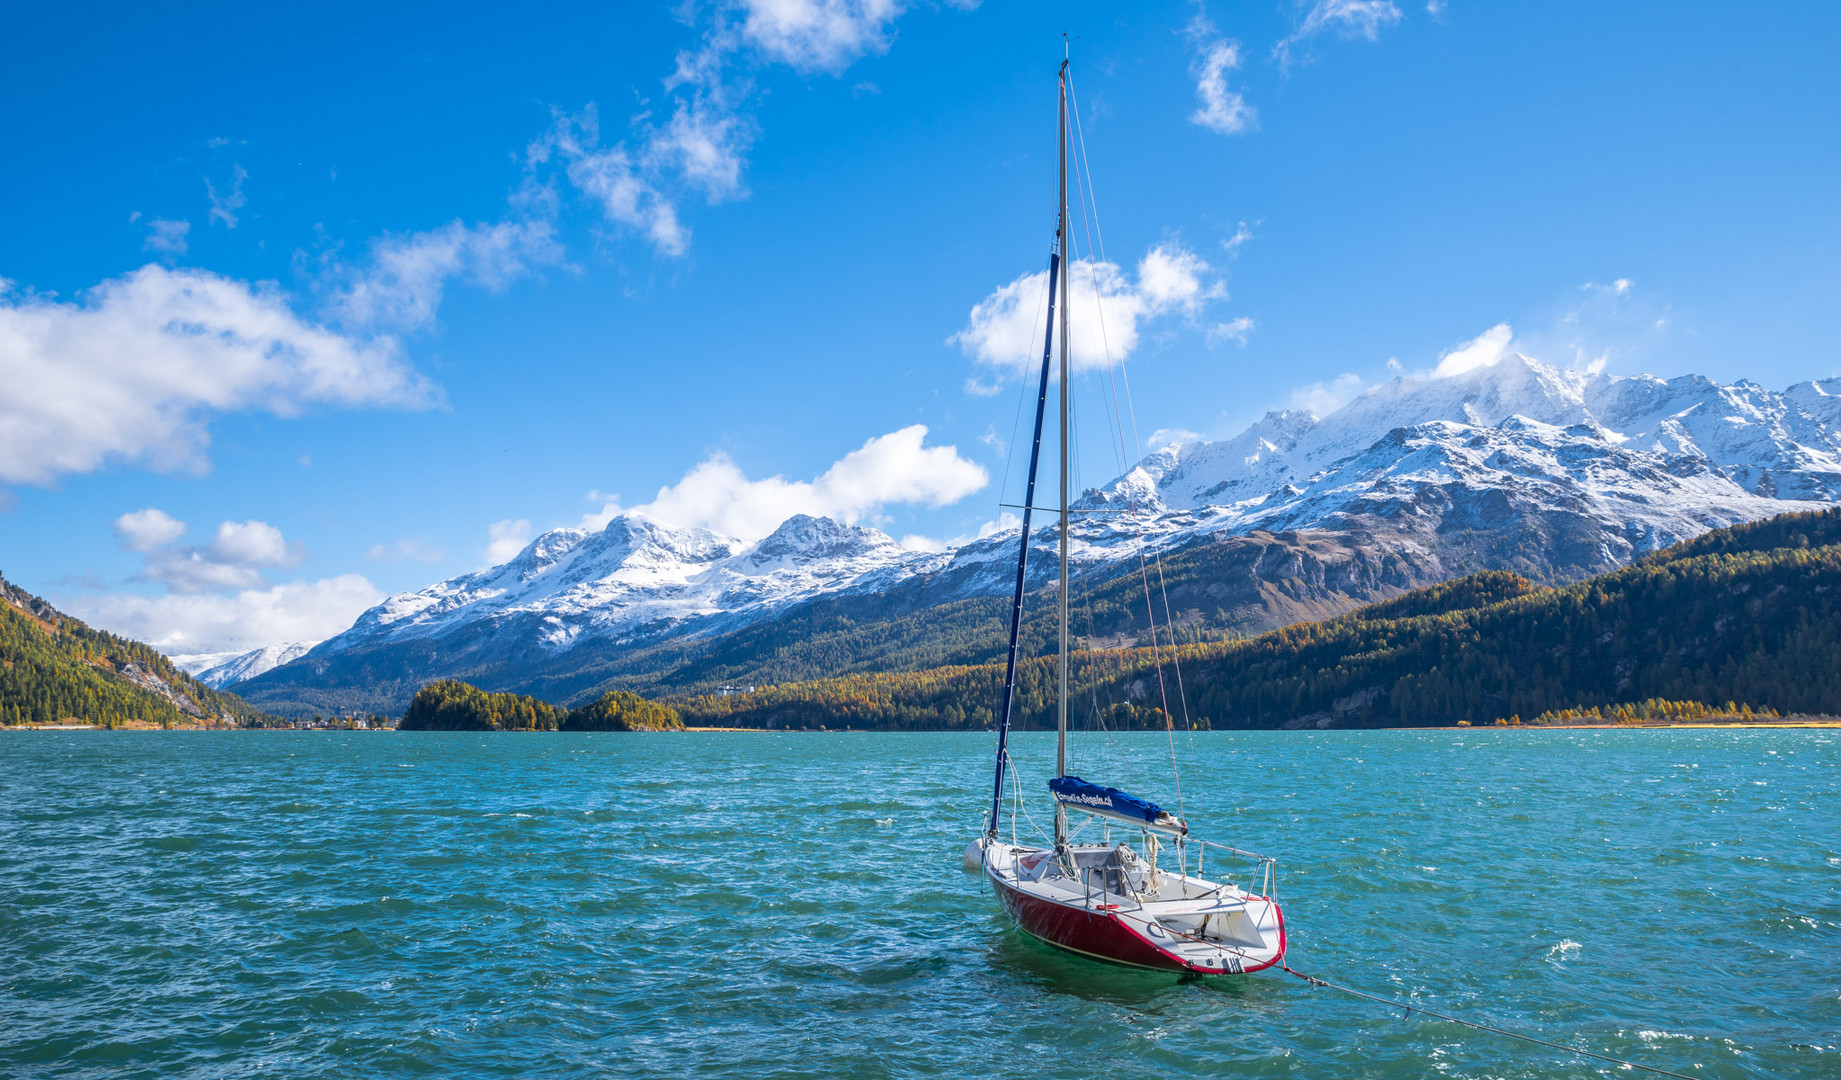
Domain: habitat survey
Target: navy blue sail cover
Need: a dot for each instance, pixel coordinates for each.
(1079, 794)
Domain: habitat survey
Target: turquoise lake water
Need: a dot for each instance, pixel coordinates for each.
(307, 905)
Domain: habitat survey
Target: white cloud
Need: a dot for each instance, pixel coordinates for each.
(705, 144)
(1348, 19)
(225, 206)
(1005, 522)
(612, 178)
(1170, 279)
(216, 598)
(640, 182)
(403, 284)
(1481, 351)
(133, 372)
(505, 539)
(1235, 330)
(1163, 437)
(1323, 398)
(144, 530)
(1005, 329)
(818, 35)
(1232, 244)
(234, 559)
(166, 237)
(232, 622)
(252, 543)
(1221, 110)
(894, 468)
(596, 520)
(1620, 287)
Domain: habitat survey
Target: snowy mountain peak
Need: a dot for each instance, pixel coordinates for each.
(803, 537)
(636, 576)
(1678, 456)
(251, 664)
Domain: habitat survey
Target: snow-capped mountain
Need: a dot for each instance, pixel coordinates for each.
(1640, 461)
(1518, 465)
(226, 670)
(638, 578)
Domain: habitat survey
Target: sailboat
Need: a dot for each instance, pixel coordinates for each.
(1111, 901)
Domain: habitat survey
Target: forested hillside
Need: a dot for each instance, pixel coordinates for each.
(450, 705)
(55, 669)
(1750, 614)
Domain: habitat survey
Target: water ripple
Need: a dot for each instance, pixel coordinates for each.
(325, 905)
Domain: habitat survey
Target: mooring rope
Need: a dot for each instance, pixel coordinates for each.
(1314, 981)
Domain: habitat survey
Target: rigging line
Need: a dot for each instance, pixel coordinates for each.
(1090, 201)
(1124, 463)
(1176, 659)
(1113, 749)
(1084, 193)
(1092, 669)
(1314, 981)
(1157, 557)
(1080, 142)
(1150, 615)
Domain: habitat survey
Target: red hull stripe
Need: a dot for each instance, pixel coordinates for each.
(1104, 934)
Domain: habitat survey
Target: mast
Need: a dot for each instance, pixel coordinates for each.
(1063, 233)
(1056, 266)
(1022, 558)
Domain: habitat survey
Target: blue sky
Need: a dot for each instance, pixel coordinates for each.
(309, 305)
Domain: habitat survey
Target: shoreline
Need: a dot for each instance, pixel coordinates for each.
(1816, 722)
(1782, 722)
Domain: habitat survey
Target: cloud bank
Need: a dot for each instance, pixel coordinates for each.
(179, 623)
(893, 469)
(133, 371)
(216, 597)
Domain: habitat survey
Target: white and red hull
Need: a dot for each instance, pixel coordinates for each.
(1225, 931)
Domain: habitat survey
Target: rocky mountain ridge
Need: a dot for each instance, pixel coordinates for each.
(221, 670)
(1554, 474)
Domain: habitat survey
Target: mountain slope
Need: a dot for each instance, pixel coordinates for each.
(1216, 585)
(1552, 474)
(54, 669)
(1518, 465)
(242, 667)
(1749, 614)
